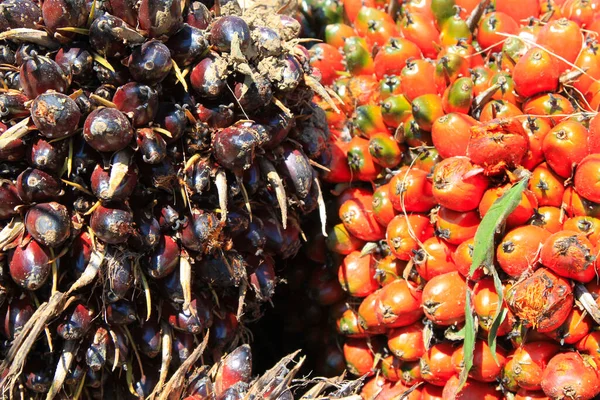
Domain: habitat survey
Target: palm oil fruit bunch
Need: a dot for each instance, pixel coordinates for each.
(156, 158)
(465, 165)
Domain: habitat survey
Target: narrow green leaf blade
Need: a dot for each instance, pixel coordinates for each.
(470, 333)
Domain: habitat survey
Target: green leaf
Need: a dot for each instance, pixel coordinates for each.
(483, 255)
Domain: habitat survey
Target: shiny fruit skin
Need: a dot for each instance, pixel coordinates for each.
(29, 265)
(565, 146)
(519, 249)
(417, 79)
(357, 216)
(359, 358)
(536, 72)
(399, 304)
(472, 390)
(444, 299)
(434, 258)
(340, 241)
(357, 274)
(485, 368)
(569, 375)
(577, 325)
(410, 190)
(451, 133)
(563, 38)
(426, 109)
(402, 232)
(382, 205)
(360, 160)
(485, 304)
(569, 254)
(547, 186)
(406, 342)
(392, 57)
(436, 363)
(521, 214)
(529, 361)
(455, 227)
(456, 185)
(385, 150)
(585, 178)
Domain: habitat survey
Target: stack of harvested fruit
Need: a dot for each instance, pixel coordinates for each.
(466, 163)
(156, 158)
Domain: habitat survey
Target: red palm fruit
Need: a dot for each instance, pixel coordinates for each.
(527, 363)
(576, 205)
(549, 104)
(328, 60)
(569, 375)
(458, 96)
(563, 38)
(410, 190)
(465, 49)
(236, 367)
(472, 390)
(588, 226)
(410, 375)
(375, 26)
(406, 342)
(498, 145)
(368, 120)
(490, 25)
(419, 29)
(536, 72)
(399, 304)
(431, 392)
(367, 314)
(449, 68)
(434, 258)
(521, 214)
(324, 287)
(520, 248)
(517, 9)
(396, 110)
(536, 129)
(523, 394)
(436, 364)
(417, 79)
(486, 367)
(357, 216)
(485, 304)
(348, 324)
(547, 186)
(393, 55)
(340, 241)
(404, 233)
(463, 258)
(565, 146)
(391, 368)
(373, 387)
(588, 60)
(451, 133)
(389, 269)
(590, 345)
(512, 50)
(453, 29)
(426, 109)
(481, 79)
(570, 254)
(506, 87)
(496, 109)
(360, 160)
(383, 209)
(29, 265)
(549, 218)
(385, 150)
(358, 57)
(360, 359)
(576, 326)
(582, 12)
(457, 184)
(357, 274)
(444, 299)
(586, 178)
(594, 135)
(542, 301)
(455, 227)
(393, 391)
(339, 170)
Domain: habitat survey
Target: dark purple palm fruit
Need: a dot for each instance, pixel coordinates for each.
(107, 129)
(171, 117)
(85, 157)
(209, 77)
(149, 335)
(120, 276)
(65, 13)
(234, 147)
(121, 312)
(198, 15)
(197, 176)
(29, 265)
(12, 105)
(9, 199)
(150, 63)
(253, 239)
(160, 18)
(151, 145)
(283, 242)
(37, 376)
(77, 60)
(138, 101)
(253, 92)
(40, 73)
(112, 225)
(34, 185)
(170, 287)
(55, 115)
(263, 279)
(187, 45)
(201, 231)
(266, 42)
(236, 368)
(16, 14)
(117, 182)
(183, 344)
(195, 319)
(46, 155)
(164, 259)
(147, 233)
(97, 352)
(117, 77)
(297, 169)
(124, 9)
(222, 271)
(75, 322)
(278, 126)
(80, 254)
(17, 314)
(202, 387)
(13, 151)
(48, 223)
(109, 36)
(7, 55)
(216, 117)
(224, 30)
(290, 75)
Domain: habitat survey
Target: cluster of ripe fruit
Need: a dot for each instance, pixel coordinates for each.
(156, 158)
(466, 163)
